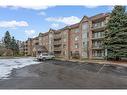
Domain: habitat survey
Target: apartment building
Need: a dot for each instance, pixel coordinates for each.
(51, 41)
(57, 43)
(45, 40)
(26, 48)
(21, 47)
(61, 42)
(74, 40)
(81, 40)
(34, 46)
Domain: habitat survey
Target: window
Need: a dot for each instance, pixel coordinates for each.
(44, 54)
(99, 24)
(76, 38)
(85, 30)
(71, 53)
(84, 44)
(99, 53)
(98, 34)
(76, 30)
(97, 44)
(64, 46)
(64, 33)
(85, 26)
(77, 52)
(36, 43)
(64, 36)
(76, 45)
(64, 52)
(64, 40)
(102, 34)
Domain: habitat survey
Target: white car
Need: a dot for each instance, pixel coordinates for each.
(45, 56)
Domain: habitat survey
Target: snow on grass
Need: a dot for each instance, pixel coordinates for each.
(6, 65)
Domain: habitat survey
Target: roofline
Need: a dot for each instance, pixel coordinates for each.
(74, 25)
(83, 18)
(104, 15)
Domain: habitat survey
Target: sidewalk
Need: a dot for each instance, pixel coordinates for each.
(121, 63)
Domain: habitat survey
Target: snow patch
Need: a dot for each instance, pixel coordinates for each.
(6, 65)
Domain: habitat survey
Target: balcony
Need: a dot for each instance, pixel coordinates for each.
(97, 47)
(26, 46)
(98, 38)
(25, 43)
(98, 35)
(58, 37)
(57, 48)
(57, 42)
(99, 54)
(98, 26)
(26, 50)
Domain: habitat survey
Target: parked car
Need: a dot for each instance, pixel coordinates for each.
(45, 56)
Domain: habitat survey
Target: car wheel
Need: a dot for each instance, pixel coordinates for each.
(39, 59)
(44, 59)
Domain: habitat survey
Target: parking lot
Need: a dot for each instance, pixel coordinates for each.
(54, 74)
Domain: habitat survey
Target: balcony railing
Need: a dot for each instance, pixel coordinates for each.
(97, 38)
(26, 45)
(98, 35)
(98, 25)
(98, 55)
(57, 37)
(97, 47)
(57, 48)
(57, 42)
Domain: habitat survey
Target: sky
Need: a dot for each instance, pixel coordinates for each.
(24, 22)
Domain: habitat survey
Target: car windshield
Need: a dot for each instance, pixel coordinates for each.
(44, 54)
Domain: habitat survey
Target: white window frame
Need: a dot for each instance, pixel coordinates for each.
(76, 38)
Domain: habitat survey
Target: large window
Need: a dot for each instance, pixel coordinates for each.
(64, 36)
(85, 31)
(85, 26)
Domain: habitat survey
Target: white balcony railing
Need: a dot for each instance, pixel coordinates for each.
(99, 25)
